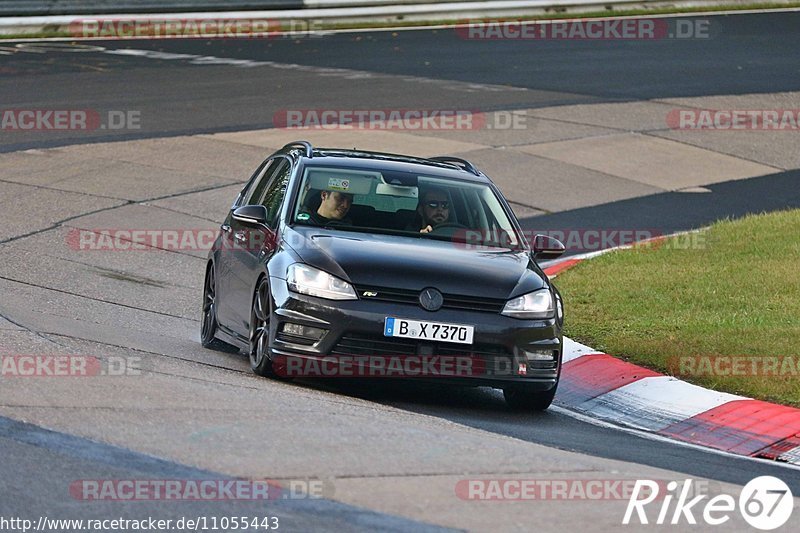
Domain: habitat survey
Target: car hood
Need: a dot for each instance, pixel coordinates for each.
(374, 260)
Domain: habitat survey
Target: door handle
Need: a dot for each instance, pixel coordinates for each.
(240, 236)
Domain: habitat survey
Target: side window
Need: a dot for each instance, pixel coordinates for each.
(272, 198)
(256, 189)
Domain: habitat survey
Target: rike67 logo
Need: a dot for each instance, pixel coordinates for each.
(765, 503)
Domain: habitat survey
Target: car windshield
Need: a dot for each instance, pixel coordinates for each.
(403, 203)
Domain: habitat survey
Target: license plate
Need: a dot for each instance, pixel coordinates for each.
(427, 331)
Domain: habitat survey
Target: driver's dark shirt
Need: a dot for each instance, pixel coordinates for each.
(319, 220)
(417, 225)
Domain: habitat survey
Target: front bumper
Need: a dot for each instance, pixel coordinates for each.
(504, 350)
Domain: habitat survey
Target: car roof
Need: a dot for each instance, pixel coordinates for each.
(445, 166)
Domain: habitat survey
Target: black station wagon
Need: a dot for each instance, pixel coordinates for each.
(338, 262)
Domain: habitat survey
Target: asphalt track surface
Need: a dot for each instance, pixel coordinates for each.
(50, 460)
(756, 53)
(743, 54)
(411, 69)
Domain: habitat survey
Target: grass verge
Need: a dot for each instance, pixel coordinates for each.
(720, 308)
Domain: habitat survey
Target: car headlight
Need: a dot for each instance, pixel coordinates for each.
(314, 282)
(536, 304)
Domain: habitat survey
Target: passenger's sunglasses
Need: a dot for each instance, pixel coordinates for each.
(444, 204)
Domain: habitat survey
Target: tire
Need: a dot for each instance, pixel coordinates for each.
(208, 321)
(260, 315)
(522, 399)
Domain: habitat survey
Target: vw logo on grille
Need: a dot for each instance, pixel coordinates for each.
(431, 299)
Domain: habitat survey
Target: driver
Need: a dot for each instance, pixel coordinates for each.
(433, 209)
(333, 207)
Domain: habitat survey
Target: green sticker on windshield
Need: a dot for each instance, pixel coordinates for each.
(303, 216)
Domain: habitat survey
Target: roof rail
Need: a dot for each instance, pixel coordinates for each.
(461, 163)
(305, 145)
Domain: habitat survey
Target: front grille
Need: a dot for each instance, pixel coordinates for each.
(493, 358)
(485, 359)
(357, 344)
(451, 301)
(490, 355)
(368, 345)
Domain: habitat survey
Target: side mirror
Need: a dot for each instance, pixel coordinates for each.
(251, 214)
(546, 247)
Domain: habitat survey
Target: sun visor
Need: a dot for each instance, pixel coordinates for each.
(400, 191)
(347, 181)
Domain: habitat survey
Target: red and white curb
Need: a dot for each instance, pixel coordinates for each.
(609, 389)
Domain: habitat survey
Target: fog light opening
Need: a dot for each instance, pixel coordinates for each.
(299, 330)
(540, 355)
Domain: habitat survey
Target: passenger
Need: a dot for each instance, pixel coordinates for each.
(433, 210)
(332, 209)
